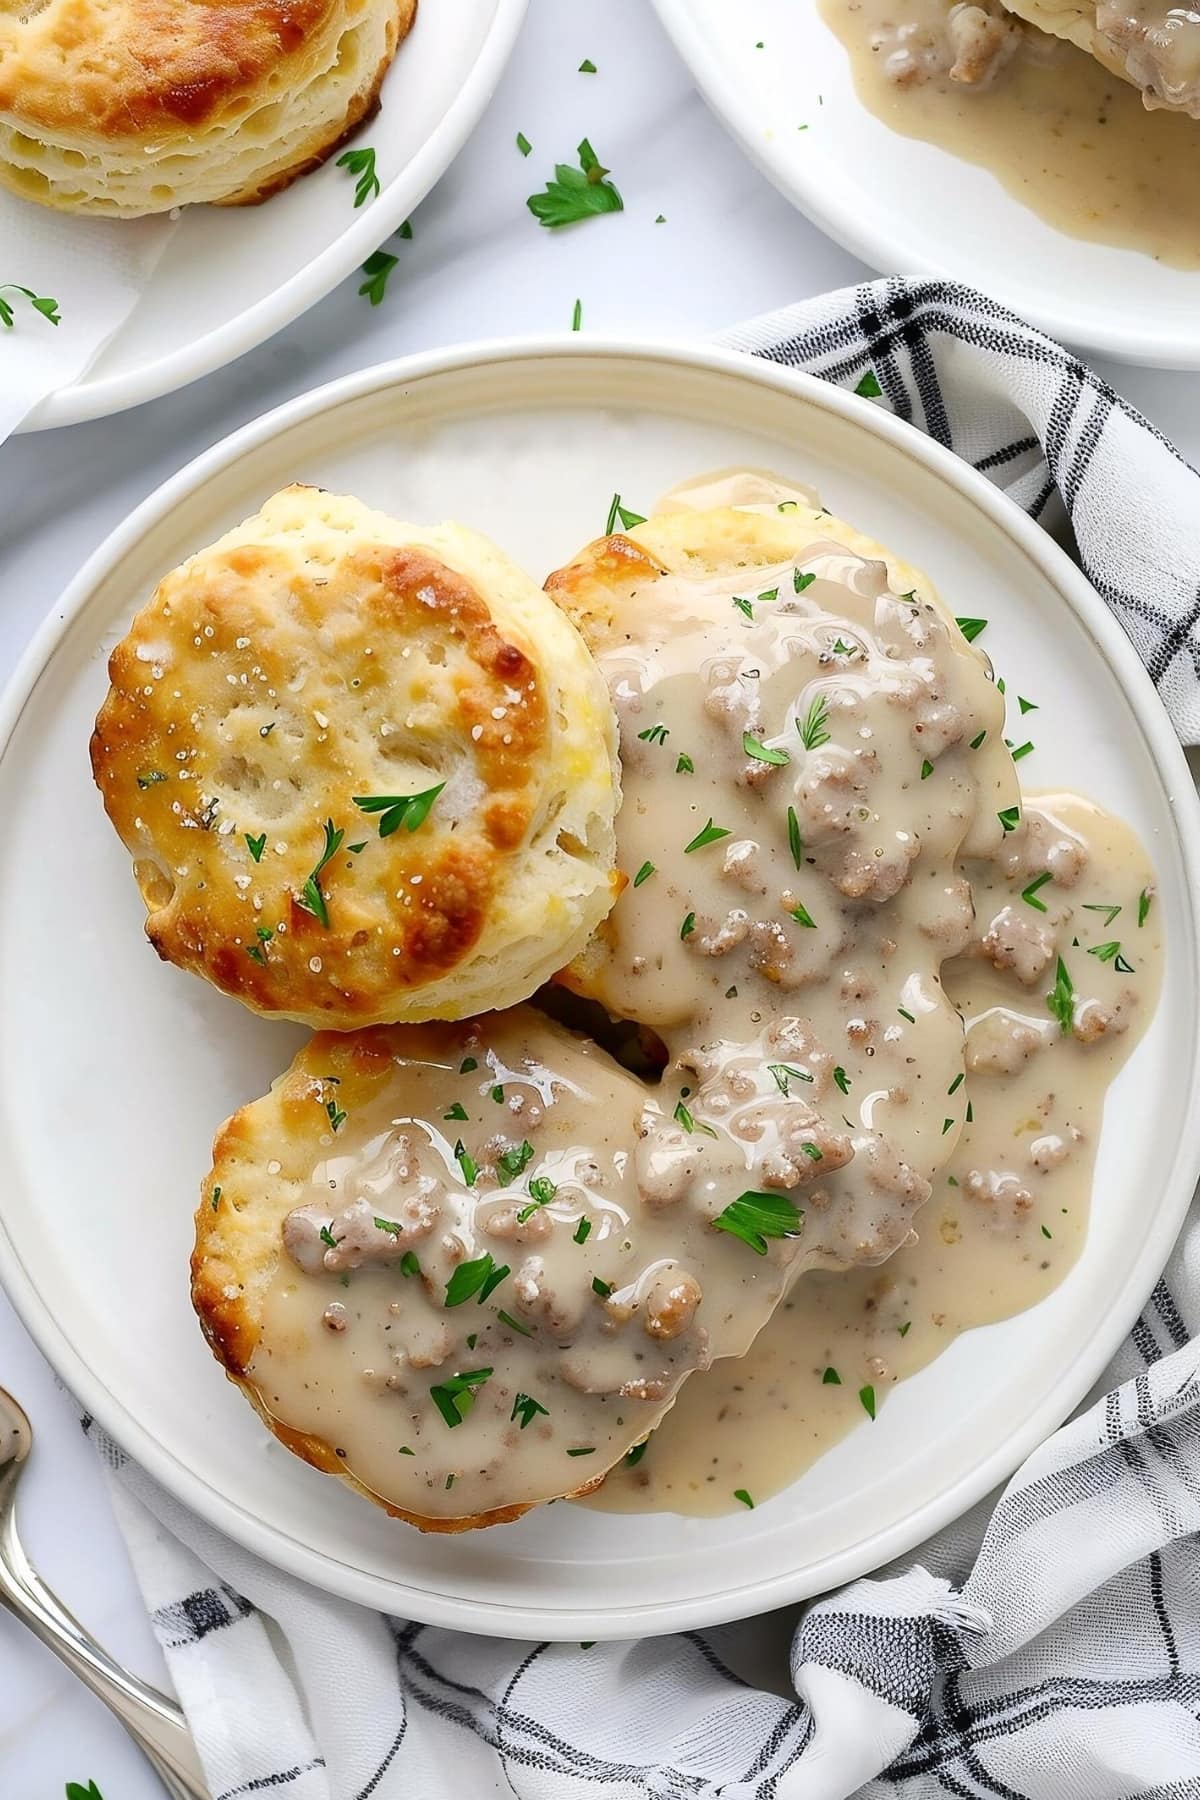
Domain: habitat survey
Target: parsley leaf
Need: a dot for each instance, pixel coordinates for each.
(523, 144)
(709, 835)
(256, 845)
(1009, 818)
(1144, 902)
(755, 1217)
(628, 519)
(743, 1496)
(310, 897)
(783, 1073)
(868, 386)
(1061, 999)
(760, 752)
(576, 194)
(867, 1397)
(528, 1408)
(583, 1231)
(795, 842)
(454, 1398)
(513, 1324)
(41, 303)
(478, 1277)
(971, 628)
(1029, 894)
(377, 268)
(409, 810)
(361, 163)
(512, 1162)
(541, 1192)
(643, 874)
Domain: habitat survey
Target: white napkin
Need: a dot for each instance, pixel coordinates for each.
(1045, 1648)
(94, 268)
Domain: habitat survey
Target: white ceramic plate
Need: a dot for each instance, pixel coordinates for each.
(908, 207)
(115, 1070)
(231, 276)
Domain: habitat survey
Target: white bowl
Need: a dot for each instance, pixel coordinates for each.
(909, 208)
(115, 1070)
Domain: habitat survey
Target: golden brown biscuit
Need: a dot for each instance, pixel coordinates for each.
(366, 770)
(127, 107)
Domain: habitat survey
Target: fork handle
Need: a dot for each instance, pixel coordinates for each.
(154, 1722)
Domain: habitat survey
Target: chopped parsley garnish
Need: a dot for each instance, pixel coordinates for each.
(1030, 894)
(685, 765)
(76, 1791)
(336, 1116)
(513, 1324)
(1046, 1232)
(310, 896)
(541, 1192)
(583, 1450)
(255, 845)
(216, 1198)
(576, 194)
(455, 1398)
(327, 1237)
(41, 303)
(478, 1277)
(523, 144)
(1061, 998)
(361, 163)
(813, 1153)
(767, 595)
(946, 1124)
(654, 734)
(153, 776)
(600, 1287)
(377, 268)
(743, 1496)
(409, 810)
(644, 873)
(688, 926)
(840, 649)
(1010, 818)
(587, 66)
(1110, 912)
(868, 387)
(709, 835)
(1021, 750)
(528, 1409)
(867, 1397)
(802, 578)
(257, 954)
(905, 1328)
(956, 1083)
(795, 842)
(831, 1378)
(1112, 953)
(583, 1231)
(926, 770)
(970, 1114)
(409, 1264)
(744, 606)
(1144, 901)
(977, 739)
(405, 1451)
(755, 1217)
(812, 727)
(457, 1111)
(497, 1094)
(466, 1162)
(843, 1080)
(971, 628)
(1026, 706)
(803, 917)
(784, 1073)
(905, 1014)
(467, 1066)
(391, 1225)
(683, 1116)
(628, 518)
(633, 1457)
(760, 752)
(515, 1160)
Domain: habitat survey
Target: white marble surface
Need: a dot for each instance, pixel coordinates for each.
(477, 266)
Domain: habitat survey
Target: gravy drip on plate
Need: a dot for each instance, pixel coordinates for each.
(1068, 138)
(510, 1251)
(1009, 1212)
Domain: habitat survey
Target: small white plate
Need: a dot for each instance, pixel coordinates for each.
(231, 276)
(908, 207)
(115, 1070)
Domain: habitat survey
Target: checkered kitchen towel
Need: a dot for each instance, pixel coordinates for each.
(1045, 1648)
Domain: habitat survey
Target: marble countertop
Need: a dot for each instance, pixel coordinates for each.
(477, 266)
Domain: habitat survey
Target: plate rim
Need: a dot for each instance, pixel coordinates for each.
(885, 250)
(88, 397)
(1072, 1382)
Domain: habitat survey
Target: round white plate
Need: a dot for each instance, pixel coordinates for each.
(910, 208)
(231, 276)
(115, 1070)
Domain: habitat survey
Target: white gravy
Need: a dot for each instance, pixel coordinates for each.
(807, 758)
(1070, 139)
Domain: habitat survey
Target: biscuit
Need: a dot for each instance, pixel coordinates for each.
(1153, 48)
(128, 107)
(366, 770)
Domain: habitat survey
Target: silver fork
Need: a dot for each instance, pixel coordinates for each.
(155, 1723)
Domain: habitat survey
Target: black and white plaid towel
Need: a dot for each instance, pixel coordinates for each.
(1045, 1648)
